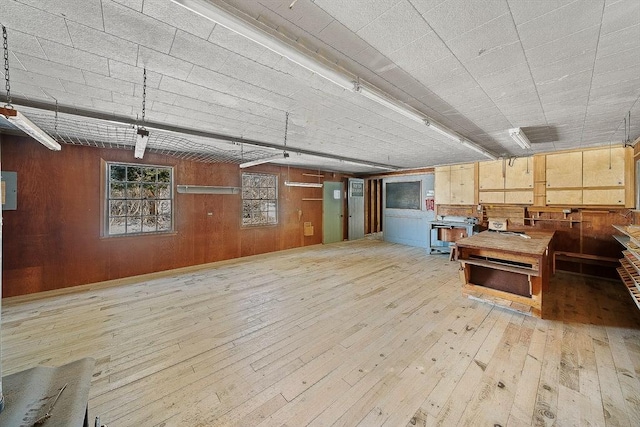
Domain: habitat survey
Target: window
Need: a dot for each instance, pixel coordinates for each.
(259, 199)
(139, 199)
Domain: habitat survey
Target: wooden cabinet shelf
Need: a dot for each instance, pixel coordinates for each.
(629, 271)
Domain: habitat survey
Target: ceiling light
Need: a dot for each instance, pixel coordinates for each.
(303, 184)
(18, 119)
(443, 130)
(207, 189)
(390, 104)
(520, 138)
(265, 160)
(266, 37)
(478, 149)
(142, 137)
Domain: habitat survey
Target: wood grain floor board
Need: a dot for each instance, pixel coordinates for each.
(355, 333)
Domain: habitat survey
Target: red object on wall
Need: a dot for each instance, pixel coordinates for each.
(430, 204)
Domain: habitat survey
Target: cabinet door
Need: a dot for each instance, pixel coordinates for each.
(603, 168)
(462, 184)
(443, 185)
(519, 174)
(490, 175)
(519, 197)
(564, 197)
(564, 170)
(491, 197)
(603, 197)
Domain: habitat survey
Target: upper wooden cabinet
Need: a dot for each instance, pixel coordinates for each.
(463, 184)
(455, 185)
(506, 181)
(443, 185)
(564, 170)
(519, 174)
(603, 167)
(491, 175)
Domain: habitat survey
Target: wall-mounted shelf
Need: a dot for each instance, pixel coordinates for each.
(629, 271)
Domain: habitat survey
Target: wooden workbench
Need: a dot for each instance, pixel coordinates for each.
(507, 269)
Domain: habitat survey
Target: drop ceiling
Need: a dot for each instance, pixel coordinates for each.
(567, 72)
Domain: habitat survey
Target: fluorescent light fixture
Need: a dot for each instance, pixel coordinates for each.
(207, 189)
(368, 165)
(142, 137)
(18, 119)
(303, 184)
(267, 38)
(520, 138)
(388, 103)
(282, 156)
(442, 130)
(478, 149)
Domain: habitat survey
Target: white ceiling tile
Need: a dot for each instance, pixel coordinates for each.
(121, 71)
(210, 79)
(24, 43)
(84, 90)
(626, 38)
(178, 16)
(356, 14)
(578, 81)
(33, 21)
(623, 59)
(564, 68)
(516, 75)
(496, 59)
(402, 20)
(560, 23)
(136, 27)
(453, 18)
(131, 4)
(112, 107)
(616, 77)
(48, 68)
(88, 12)
(28, 91)
(571, 46)
(340, 38)
(524, 11)
(198, 51)
(163, 64)
(494, 34)
(306, 14)
(66, 55)
(234, 42)
(445, 69)
(102, 44)
(619, 15)
(420, 53)
(108, 83)
(27, 77)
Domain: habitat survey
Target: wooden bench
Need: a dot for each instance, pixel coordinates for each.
(584, 258)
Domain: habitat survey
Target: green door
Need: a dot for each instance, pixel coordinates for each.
(332, 212)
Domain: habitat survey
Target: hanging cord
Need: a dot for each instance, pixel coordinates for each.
(144, 92)
(5, 45)
(55, 125)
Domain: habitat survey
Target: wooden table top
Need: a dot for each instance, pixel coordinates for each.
(536, 245)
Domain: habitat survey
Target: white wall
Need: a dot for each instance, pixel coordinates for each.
(408, 226)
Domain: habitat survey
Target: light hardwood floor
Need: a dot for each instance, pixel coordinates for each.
(357, 333)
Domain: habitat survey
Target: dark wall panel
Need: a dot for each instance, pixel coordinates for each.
(53, 240)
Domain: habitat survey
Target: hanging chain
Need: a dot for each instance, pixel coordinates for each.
(286, 127)
(5, 45)
(144, 92)
(55, 126)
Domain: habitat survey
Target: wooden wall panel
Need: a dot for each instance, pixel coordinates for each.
(53, 240)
